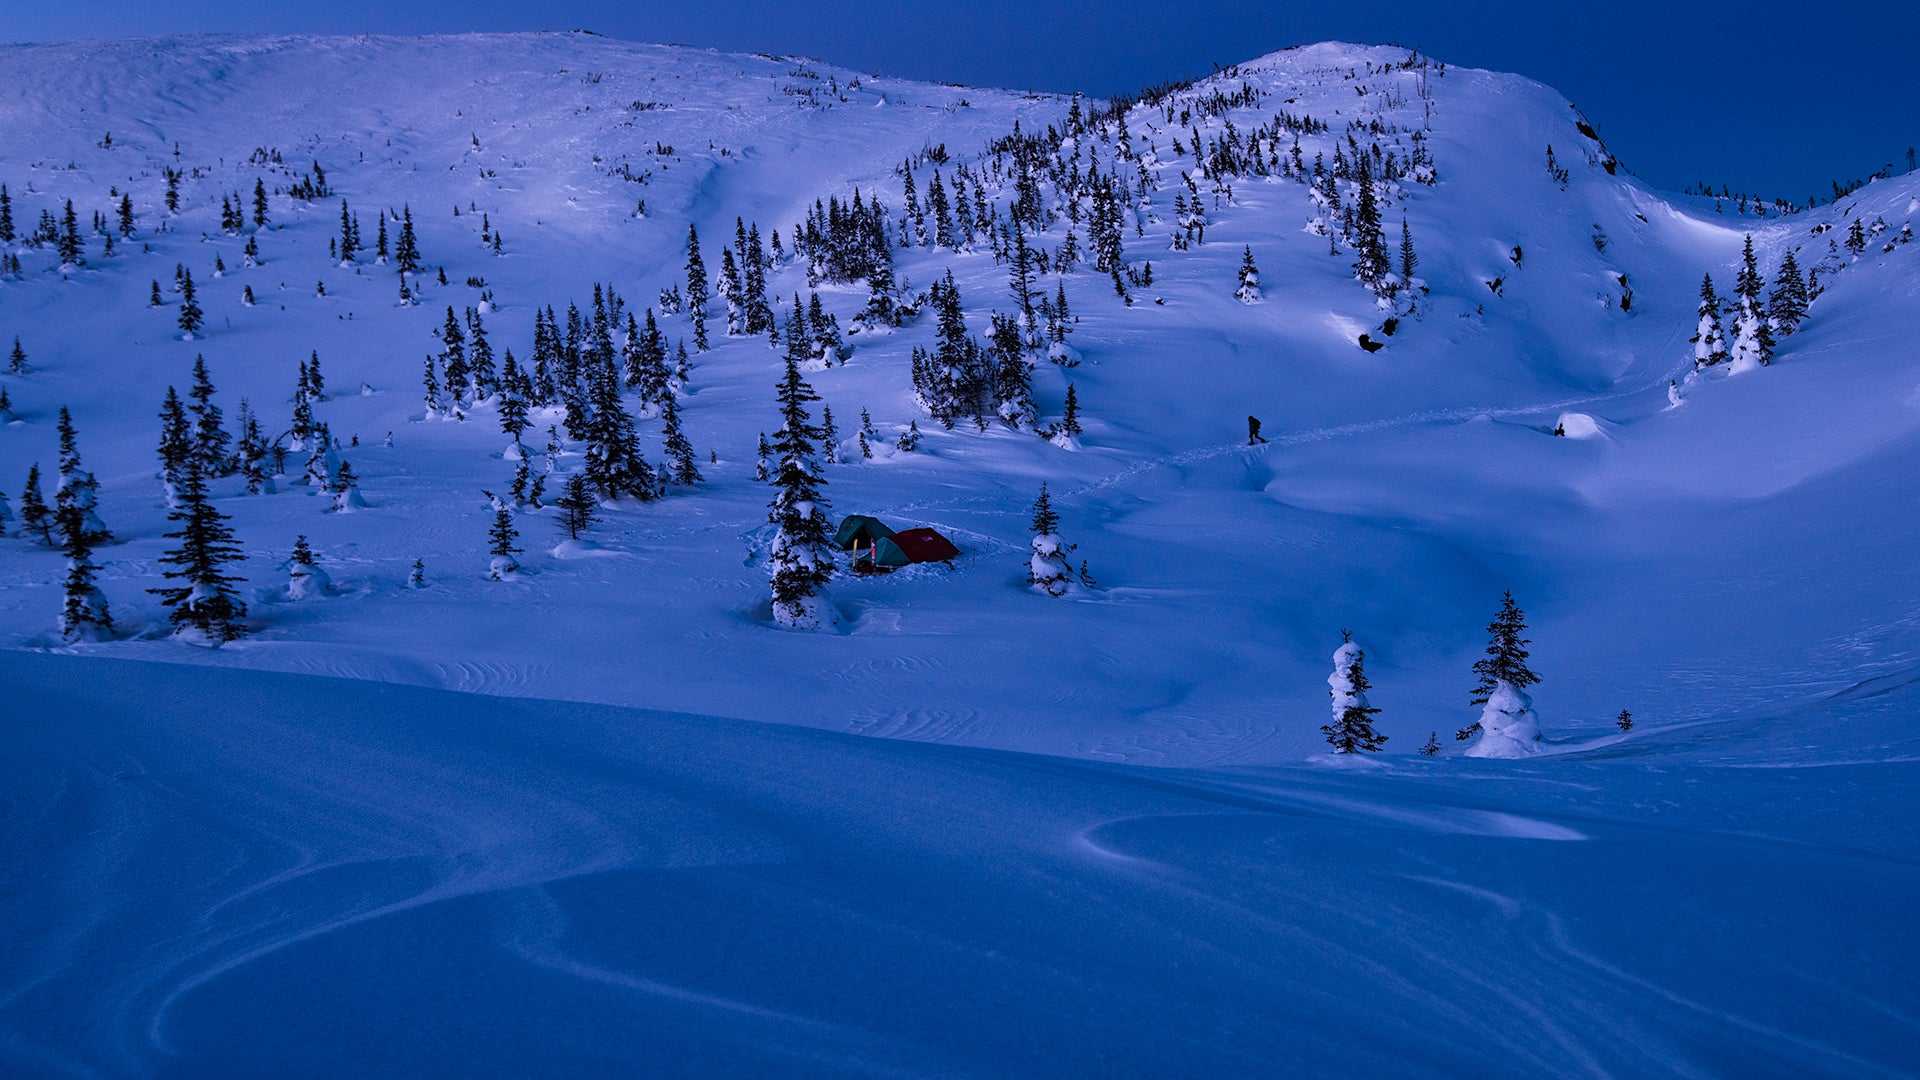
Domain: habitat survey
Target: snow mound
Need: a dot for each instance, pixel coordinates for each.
(1579, 425)
(1509, 728)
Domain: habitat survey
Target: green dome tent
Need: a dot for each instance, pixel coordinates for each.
(860, 531)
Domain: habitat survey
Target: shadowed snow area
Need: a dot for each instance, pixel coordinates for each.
(263, 874)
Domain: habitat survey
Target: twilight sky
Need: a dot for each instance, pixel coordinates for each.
(1682, 92)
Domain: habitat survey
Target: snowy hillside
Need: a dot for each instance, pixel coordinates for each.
(1734, 558)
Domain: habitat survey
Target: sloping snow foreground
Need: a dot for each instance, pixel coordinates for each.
(232, 873)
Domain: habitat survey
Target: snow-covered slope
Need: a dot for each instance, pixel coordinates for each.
(1738, 569)
(230, 873)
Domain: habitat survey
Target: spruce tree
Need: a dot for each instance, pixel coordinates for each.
(206, 602)
(1506, 659)
(259, 203)
(406, 251)
(1249, 290)
(1709, 341)
(1752, 337)
(681, 467)
(453, 357)
(176, 444)
(1787, 304)
(1352, 727)
(1371, 261)
(36, 519)
(502, 535)
(69, 244)
(1432, 745)
(800, 560)
(1047, 569)
(7, 234)
(514, 392)
(578, 506)
(17, 359)
(77, 486)
(83, 611)
(349, 235)
(1408, 260)
(1624, 721)
(190, 313)
(696, 289)
(210, 438)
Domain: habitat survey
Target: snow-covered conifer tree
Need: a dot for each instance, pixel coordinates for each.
(406, 250)
(1352, 727)
(176, 444)
(502, 535)
(1787, 304)
(1047, 570)
(1249, 290)
(83, 611)
(36, 519)
(77, 488)
(210, 437)
(1709, 341)
(304, 576)
(206, 604)
(346, 490)
(1508, 726)
(800, 557)
(696, 289)
(191, 317)
(1752, 337)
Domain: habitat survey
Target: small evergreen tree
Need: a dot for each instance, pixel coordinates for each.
(17, 360)
(77, 488)
(304, 576)
(1752, 336)
(1506, 659)
(206, 602)
(417, 575)
(36, 519)
(1624, 721)
(681, 467)
(1047, 570)
(1249, 290)
(1432, 745)
(406, 251)
(83, 611)
(69, 245)
(1352, 727)
(191, 317)
(502, 534)
(176, 444)
(259, 204)
(1787, 304)
(1709, 341)
(578, 506)
(1408, 260)
(210, 438)
(696, 289)
(800, 557)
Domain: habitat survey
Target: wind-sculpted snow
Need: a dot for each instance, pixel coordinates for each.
(254, 874)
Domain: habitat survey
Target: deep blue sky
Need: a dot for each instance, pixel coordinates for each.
(1763, 96)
